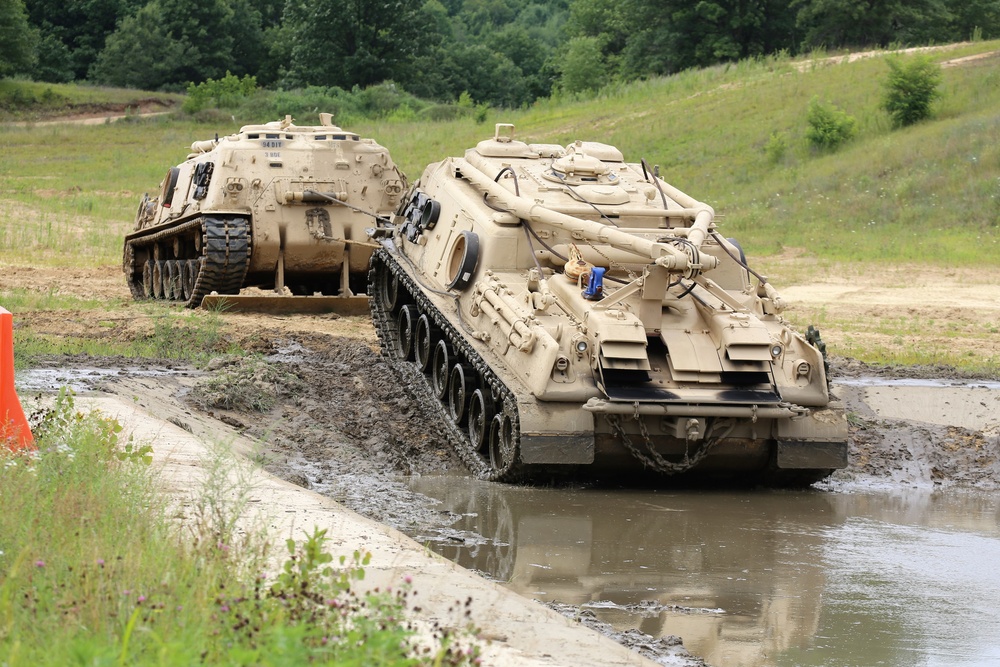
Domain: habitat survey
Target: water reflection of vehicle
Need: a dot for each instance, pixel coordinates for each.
(739, 577)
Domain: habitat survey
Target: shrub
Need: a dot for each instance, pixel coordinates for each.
(911, 88)
(776, 147)
(829, 127)
(226, 93)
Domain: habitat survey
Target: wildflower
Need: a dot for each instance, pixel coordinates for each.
(126, 592)
(141, 599)
(100, 562)
(39, 563)
(408, 579)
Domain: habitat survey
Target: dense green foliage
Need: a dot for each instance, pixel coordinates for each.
(17, 38)
(501, 52)
(910, 89)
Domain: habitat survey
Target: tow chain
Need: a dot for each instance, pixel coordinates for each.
(654, 460)
(613, 264)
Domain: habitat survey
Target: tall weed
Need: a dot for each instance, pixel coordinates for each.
(95, 572)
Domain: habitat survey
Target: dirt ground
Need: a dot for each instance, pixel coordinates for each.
(326, 412)
(340, 423)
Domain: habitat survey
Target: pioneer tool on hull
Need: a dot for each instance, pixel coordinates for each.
(562, 307)
(276, 206)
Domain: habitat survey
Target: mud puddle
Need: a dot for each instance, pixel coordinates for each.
(751, 579)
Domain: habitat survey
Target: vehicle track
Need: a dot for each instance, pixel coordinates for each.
(497, 458)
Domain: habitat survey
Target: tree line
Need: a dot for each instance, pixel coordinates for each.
(497, 52)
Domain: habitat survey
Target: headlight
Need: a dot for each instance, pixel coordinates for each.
(776, 351)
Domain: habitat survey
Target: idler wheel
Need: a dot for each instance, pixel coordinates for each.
(425, 335)
(481, 413)
(441, 369)
(393, 296)
(147, 279)
(501, 442)
(158, 272)
(461, 381)
(404, 332)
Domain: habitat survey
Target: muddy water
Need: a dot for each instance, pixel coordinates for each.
(751, 579)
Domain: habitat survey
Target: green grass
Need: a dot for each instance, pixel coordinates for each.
(925, 195)
(95, 570)
(21, 299)
(191, 336)
(30, 100)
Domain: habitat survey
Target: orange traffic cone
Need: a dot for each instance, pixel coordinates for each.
(15, 434)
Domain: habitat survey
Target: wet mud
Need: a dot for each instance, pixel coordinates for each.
(336, 420)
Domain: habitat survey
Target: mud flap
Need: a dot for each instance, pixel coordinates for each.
(565, 449)
(811, 455)
(818, 440)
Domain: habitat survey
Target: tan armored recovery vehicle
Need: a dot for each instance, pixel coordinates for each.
(273, 206)
(561, 307)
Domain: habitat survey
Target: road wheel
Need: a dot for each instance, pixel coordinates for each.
(404, 332)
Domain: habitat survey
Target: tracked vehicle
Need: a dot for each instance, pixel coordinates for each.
(562, 308)
(273, 206)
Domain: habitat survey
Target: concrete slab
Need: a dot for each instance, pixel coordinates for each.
(519, 632)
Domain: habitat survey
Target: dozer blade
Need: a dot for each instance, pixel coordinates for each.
(280, 305)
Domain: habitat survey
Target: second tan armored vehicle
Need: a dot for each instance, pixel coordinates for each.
(275, 205)
(564, 308)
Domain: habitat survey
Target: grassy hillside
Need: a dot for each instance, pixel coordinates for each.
(22, 101)
(929, 193)
(926, 195)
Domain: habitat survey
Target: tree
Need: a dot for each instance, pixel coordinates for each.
(73, 33)
(140, 53)
(17, 38)
(355, 42)
(583, 66)
(529, 49)
(641, 38)
(968, 15)
(838, 23)
(169, 43)
(911, 88)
